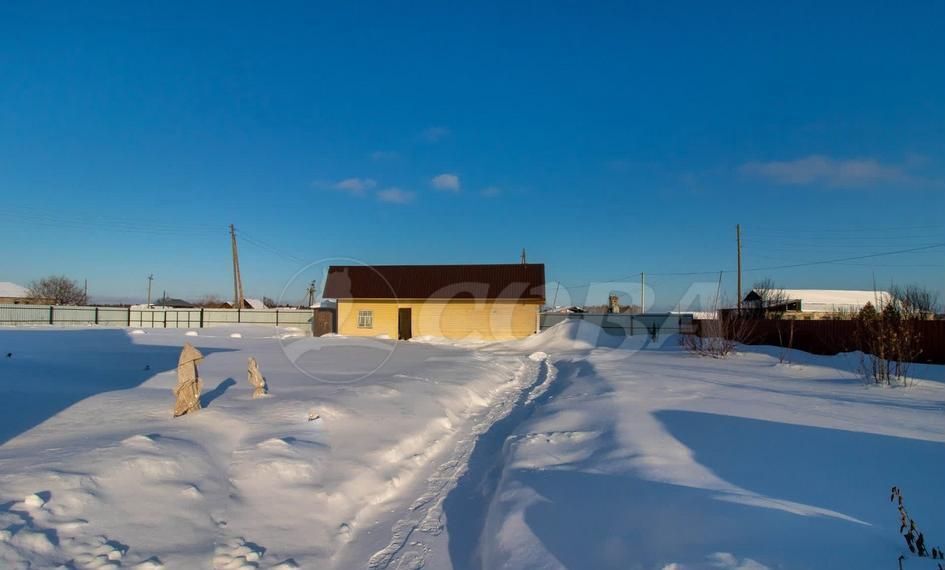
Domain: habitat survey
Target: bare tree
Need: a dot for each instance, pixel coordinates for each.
(772, 299)
(210, 301)
(59, 289)
(915, 301)
(785, 347)
(889, 341)
(720, 336)
(710, 339)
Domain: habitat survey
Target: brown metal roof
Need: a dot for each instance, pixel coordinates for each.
(511, 281)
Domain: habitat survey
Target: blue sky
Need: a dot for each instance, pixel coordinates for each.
(607, 139)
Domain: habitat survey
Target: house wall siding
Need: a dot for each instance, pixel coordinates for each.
(454, 319)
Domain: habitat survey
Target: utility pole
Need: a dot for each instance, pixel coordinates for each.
(642, 292)
(237, 280)
(738, 240)
(523, 256)
(718, 293)
(311, 293)
(150, 279)
(85, 292)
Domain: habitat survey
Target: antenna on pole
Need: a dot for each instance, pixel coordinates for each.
(523, 256)
(150, 279)
(237, 280)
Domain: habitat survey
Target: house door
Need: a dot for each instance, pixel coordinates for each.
(324, 322)
(404, 328)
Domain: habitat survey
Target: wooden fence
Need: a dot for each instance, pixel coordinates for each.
(828, 336)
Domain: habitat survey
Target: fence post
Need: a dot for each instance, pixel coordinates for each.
(239, 314)
(96, 315)
(201, 317)
(165, 318)
(129, 315)
(277, 317)
(50, 314)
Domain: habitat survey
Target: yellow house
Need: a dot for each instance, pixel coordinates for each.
(486, 302)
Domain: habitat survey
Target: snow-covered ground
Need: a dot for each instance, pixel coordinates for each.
(657, 458)
(371, 453)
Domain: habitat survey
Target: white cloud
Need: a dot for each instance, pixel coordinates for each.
(355, 186)
(728, 561)
(435, 134)
(819, 169)
(380, 155)
(491, 191)
(446, 181)
(395, 196)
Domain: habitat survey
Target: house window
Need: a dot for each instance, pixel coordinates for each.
(365, 319)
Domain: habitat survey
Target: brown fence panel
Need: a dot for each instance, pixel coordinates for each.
(830, 336)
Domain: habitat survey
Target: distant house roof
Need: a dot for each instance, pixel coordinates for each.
(254, 303)
(564, 310)
(828, 300)
(13, 290)
(503, 281)
(173, 303)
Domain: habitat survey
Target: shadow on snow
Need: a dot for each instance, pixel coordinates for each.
(590, 520)
(50, 370)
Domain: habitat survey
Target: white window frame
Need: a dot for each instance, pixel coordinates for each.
(365, 319)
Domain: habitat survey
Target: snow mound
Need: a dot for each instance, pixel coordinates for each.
(472, 341)
(538, 356)
(566, 335)
(291, 332)
(137, 331)
(34, 501)
(236, 335)
(191, 333)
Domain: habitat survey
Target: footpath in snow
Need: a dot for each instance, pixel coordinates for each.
(357, 446)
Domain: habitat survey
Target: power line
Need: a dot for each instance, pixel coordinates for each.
(900, 265)
(124, 226)
(838, 260)
(870, 230)
(852, 258)
(103, 220)
(270, 248)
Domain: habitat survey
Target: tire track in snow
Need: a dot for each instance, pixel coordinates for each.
(426, 512)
